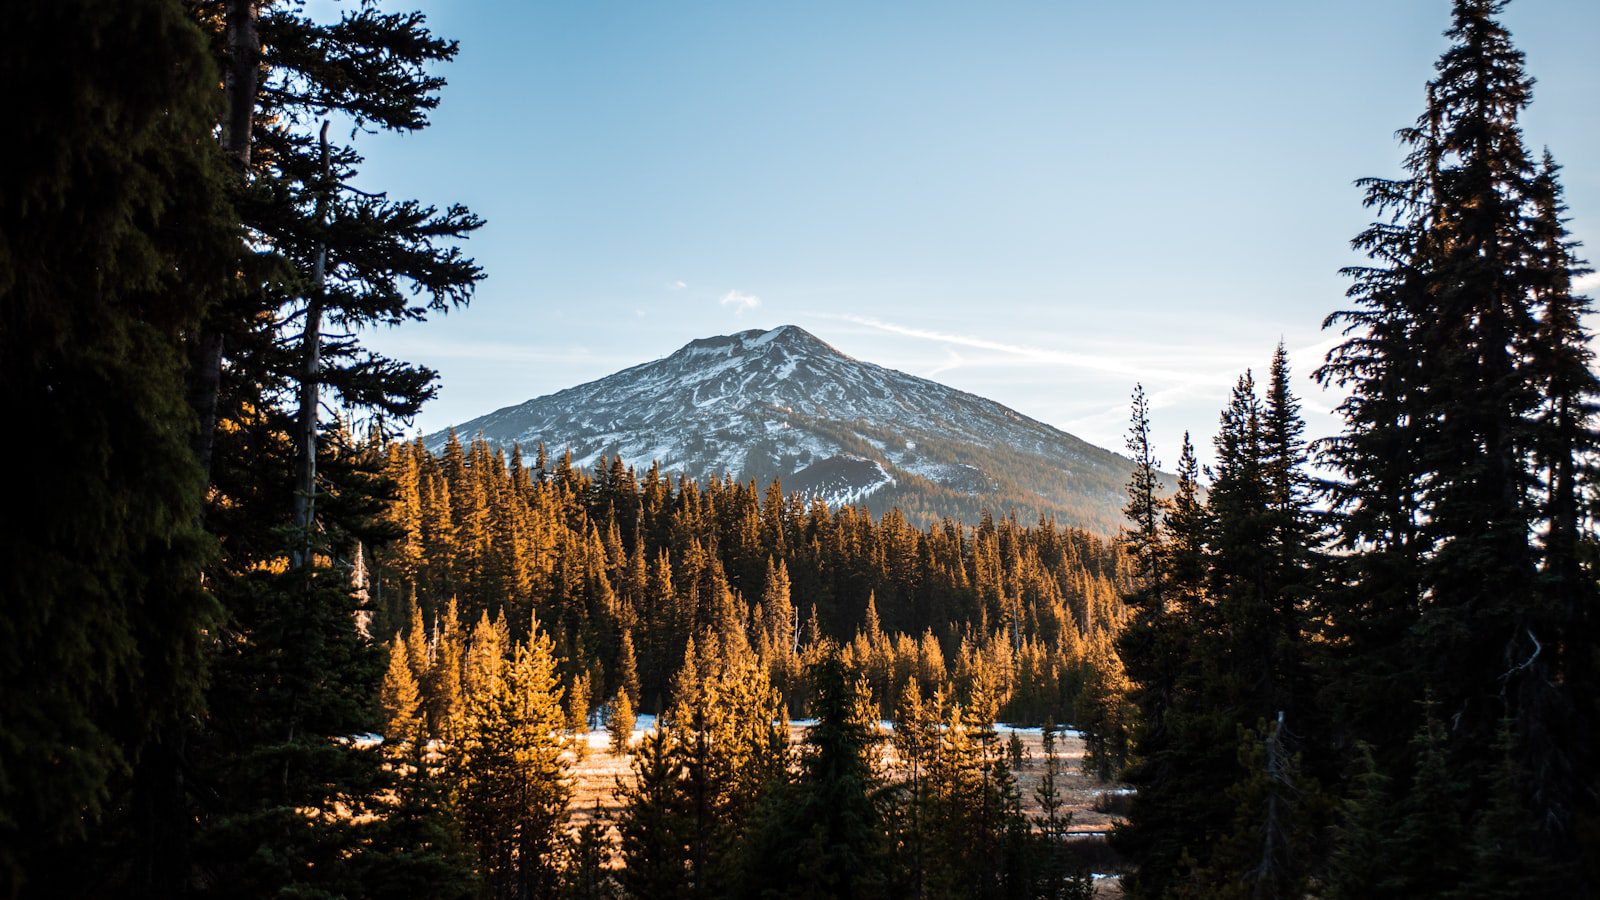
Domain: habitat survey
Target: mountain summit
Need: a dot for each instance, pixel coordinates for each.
(784, 404)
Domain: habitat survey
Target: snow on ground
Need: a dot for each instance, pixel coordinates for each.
(600, 737)
(597, 772)
(363, 741)
(1037, 731)
(597, 769)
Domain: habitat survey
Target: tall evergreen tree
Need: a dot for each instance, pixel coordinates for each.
(1508, 860)
(1224, 650)
(1154, 647)
(1462, 321)
(401, 700)
(1144, 507)
(1161, 649)
(1058, 877)
(1430, 839)
(1105, 712)
(511, 775)
(1362, 861)
(1479, 576)
(1562, 704)
(826, 828)
(916, 732)
(115, 229)
(655, 821)
(321, 262)
(420, 847)
(733, 733)
(619, 721)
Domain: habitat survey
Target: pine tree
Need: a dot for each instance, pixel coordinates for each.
(1451, 360)
(1224, 648)
(115, 232)
(1012, 863)
(916, 732)
(1254, 669)
(288, 489)
(401, 701)
(585, 875)
(655, 821)
(1168, 815)
(620, 722)
(955, 796)
(1430, 840)
(1268, 852)
(1373, 597)
(1481, 570)
(1106, 713)
(1505, 862)
(1294, 545)
(734, 734)
(1361, 863)
(628, 668)
(1150, 647)
(349, 256)
(1058, 878)
(1144, 507)
(416, 840)
(826, 828)
(1240, 560)
(1559, 724)
(578, 704)
(510, 771)
(978, 811)
(445, 702)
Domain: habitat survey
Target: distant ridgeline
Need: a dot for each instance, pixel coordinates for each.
(623, 569)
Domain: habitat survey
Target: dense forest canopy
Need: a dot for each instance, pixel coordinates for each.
(253, 648)
(605, 556)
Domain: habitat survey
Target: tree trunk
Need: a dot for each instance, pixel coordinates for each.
(205, 384)
(240, 83)
(310, 373)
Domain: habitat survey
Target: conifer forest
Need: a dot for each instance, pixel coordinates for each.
(259, 639)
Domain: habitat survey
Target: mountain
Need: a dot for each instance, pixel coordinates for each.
(783, 404)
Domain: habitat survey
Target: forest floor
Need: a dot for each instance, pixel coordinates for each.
(595, 776)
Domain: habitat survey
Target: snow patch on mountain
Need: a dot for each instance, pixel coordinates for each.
(840, 480)
(783, 404)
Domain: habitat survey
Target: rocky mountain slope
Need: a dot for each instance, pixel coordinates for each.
(783, 404)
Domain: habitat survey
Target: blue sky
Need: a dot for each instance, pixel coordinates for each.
(1038, 202)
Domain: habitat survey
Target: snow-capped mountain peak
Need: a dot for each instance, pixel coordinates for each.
(784, 404)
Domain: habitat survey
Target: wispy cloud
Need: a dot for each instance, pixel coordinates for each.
(1175, 375)
(1107, 364)
(740, 301)
(1115, 415)
(953, 360)
(678, 285)
(1588, 284)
